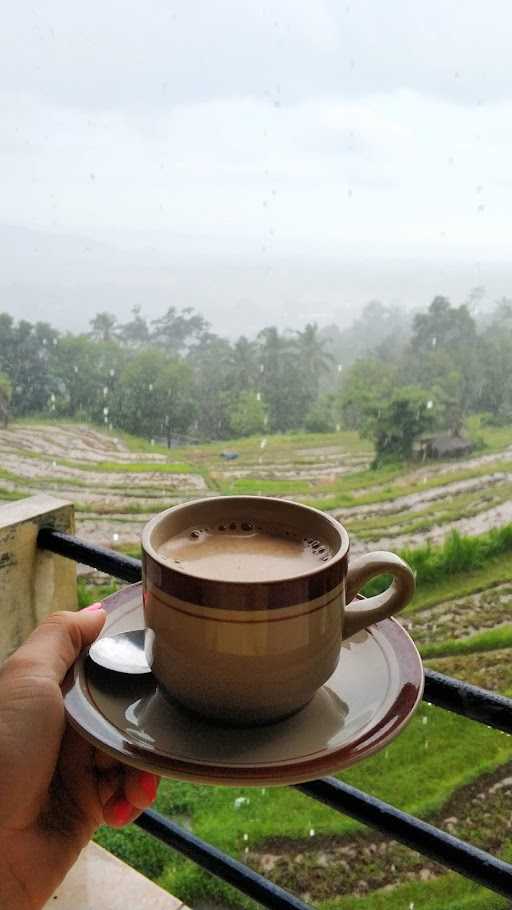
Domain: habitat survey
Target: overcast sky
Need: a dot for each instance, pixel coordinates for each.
(296, 156)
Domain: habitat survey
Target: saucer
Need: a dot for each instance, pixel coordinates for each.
(367, 701)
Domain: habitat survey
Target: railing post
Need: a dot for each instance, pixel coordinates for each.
(33, 582)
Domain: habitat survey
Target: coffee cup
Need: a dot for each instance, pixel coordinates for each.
(247, 600)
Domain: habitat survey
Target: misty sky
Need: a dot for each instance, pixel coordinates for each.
(294, 157)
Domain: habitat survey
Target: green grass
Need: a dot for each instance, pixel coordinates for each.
(89, 594)
(495, 572)
(448, 892)
(489, 640)
(494, 438)
(456, 556)
(446, 752)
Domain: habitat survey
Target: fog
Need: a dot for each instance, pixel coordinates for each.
(284, 163)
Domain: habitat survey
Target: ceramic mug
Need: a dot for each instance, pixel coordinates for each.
(253, 652)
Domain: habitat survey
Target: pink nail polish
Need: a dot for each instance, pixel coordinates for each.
(148, 783)
(91, 607)
(122, 811)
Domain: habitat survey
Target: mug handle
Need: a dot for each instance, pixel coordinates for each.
(362, 613)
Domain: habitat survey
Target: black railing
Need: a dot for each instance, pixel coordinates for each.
(469, 701)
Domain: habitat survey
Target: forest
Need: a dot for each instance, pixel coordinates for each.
(393, 375)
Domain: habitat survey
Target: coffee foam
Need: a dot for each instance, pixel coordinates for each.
(244, 550)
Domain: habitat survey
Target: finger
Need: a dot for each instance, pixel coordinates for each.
(110, 783)
(54, 646)
(140, 787)
(119, 812)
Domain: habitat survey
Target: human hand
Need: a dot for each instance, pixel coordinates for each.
(55, 788)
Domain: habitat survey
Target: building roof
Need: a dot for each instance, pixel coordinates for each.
(447, 442)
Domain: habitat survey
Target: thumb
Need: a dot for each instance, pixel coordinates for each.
(54, 646)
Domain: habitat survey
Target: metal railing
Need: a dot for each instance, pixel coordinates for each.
(453, 695)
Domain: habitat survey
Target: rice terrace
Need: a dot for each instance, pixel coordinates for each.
(452, 519)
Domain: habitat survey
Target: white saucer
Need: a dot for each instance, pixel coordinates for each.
(366, 702)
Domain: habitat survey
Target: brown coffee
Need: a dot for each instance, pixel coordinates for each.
(244, 551)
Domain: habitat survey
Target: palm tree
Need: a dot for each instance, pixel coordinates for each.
(314, 358)
(244, 364)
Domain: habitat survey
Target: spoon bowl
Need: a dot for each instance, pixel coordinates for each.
(123, 653)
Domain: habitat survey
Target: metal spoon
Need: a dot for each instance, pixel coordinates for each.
(123, 652)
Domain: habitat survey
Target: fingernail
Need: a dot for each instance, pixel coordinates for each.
(91, 607)
(122, 811)
(148, 783)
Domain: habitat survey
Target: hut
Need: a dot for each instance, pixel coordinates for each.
(444, 445)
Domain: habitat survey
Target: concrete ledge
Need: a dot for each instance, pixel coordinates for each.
(33, 582)
(100, 881)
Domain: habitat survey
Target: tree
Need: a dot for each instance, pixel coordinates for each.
(5, 397)
(443, 327)
(154, 396)
(283, 382)
(315, 359)
(449, 396)
(378, 328)
(135, 333)
(395, 425)
(25, 360)
(320, 417)
(84, 374)
(176, 332)
(248, 415)
(216, 389)
(368, 384)
(244, 366)
(445, 340)
(104, 327)
(496, 375)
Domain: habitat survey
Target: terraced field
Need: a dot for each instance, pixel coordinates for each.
(117, 487)
(461, 773)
